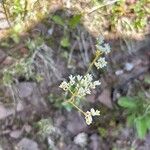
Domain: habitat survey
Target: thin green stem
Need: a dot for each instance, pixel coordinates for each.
(72, 98)
(92, 63)
(80, 110)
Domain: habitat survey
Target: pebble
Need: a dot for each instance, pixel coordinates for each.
(2, 56)
(81, 139)
(119, 72)
(27, 144)
(16, 134)
(129, 66)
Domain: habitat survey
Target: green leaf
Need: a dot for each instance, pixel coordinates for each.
(7, 78)
(58, 20)
(147, 119)
(17, 28)
(147, 79)
(127, 102)
(130, 119)
(141, 127)
(67, 106)
(74, 21)
(15, 37)
(65, 42)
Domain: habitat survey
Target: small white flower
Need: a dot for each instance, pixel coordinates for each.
(72, 80)
(102, 46)
(94, 113)
(79, 77)
(100, 63)
(95, 83)
(89, 114)
(107, 48)
(100, 40)
(64, 85)
(88, 118)
(81, 92)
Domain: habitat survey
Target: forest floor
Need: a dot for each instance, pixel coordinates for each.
(32, 113)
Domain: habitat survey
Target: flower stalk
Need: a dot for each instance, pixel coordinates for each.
(80, 86)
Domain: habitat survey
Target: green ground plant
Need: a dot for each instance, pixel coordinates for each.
(79, 86)
(25, 67)
(138, 112)
(68, 25)
(125, 15)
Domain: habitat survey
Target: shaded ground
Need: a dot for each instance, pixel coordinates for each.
(31, 113)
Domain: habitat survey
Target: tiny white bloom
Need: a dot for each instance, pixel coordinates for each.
(107, 48)
(79, 77)
(100, 40)
(88, 118)
(64, 85)
(81, 92)
(102, 46)
(94, 113)
(94, 84)
(72, 80)
(100, 63)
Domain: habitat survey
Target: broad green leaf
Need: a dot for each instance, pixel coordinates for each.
(74, 21)
(141, 127)
(127, 102)
(65, 42)
(130, 119)
(58, 20)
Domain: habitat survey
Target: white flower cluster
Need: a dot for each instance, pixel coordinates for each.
(102, 46)
(82, 84)
(100, 63)
(90, 114)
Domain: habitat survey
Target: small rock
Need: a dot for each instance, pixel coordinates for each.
(27, 128)
(95, 142)
(73, 147)
(8, 61)
(50, 31)
(105, 98)
(129, 66)
(4, 24)
(27, 144)
(81, 139)
(91, 98)
(119, 72)
(1, 147)
(16, 134)
(76, 123)
(2, 15)
(2, 56)
(20, 106)
(5, 112)
(25, 89)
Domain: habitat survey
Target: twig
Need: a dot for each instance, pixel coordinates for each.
(5, 11)
(81, 48)
(92, 45)
(70, 55)
(98, 7)
(85, 48)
